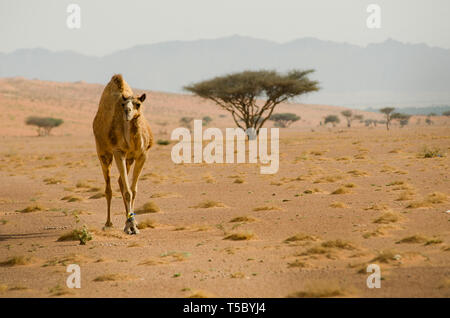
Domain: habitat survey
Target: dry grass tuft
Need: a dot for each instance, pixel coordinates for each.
(112, 278)
(97, 196)
(329, 179)
(69, 236)
(147, 223)
(316, 250)
(164, 195)
(149, 207)
(320, 289)
(71, 198)
(428, 152)
(60, 291)
(338, 205)
(418, 204)
(242, 219)
(241, 236)
(414, 239)
(406, 196)
(16, 261)
(153, 262)
(386, 218)
(341, 190)
(385, 257)
(237, 275)
(208, 204)
(339, 244)
(200, 294)
(267, 208)
(298, 264)
(436, 198)
(32, 208)
(300, 237)
(357, 173)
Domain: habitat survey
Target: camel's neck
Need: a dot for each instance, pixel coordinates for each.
(127, 131)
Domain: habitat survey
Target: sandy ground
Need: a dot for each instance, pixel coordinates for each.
(299, 235)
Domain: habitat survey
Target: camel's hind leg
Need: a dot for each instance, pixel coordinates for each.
(106, 161)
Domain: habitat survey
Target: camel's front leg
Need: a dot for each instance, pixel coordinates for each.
(136, 173)
(130, 225)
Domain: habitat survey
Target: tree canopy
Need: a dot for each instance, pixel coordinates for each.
(387, 111)
(333, 119)
(284, 120)
(251, 96)
(44, 124)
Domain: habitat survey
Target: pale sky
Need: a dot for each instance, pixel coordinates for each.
(110, 25)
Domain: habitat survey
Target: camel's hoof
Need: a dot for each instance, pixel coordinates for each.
(107, 226)
(131, 227)
(134, 230)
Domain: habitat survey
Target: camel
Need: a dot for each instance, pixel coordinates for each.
(122, 132)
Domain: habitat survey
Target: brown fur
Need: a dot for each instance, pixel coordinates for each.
(126, 141)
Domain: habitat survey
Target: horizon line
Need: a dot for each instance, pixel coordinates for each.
(388, 39)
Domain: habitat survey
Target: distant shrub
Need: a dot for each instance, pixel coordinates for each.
(447, 113)
(333, 119)
(427, 152)
(186, 122)
(44, 124)
(163, 142)
(206, 120)
(284, 120)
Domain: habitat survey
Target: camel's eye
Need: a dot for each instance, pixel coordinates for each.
(138, 105)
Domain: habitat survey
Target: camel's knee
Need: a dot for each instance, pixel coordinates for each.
(108, 192)
(127, 196)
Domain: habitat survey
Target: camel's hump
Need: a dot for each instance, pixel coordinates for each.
(117, 79)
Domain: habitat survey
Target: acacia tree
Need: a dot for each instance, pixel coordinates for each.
(387, 111)
(251, 96)
(402, 118)
(44, 124)
(284, 120)
(333, 119)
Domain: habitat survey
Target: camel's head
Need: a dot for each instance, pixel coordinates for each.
(132, 106)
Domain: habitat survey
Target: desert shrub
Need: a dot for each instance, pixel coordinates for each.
(163, 142)
(206, 120)
(284, 120)
(186, 122)
(428, 152)
(333, 119)
(44, 124)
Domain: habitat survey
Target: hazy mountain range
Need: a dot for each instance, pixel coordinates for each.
(387, 73)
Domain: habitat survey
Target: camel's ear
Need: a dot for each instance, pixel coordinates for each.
(142, 97)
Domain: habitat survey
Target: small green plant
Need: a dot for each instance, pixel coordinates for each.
(84, 235)
(427, 152)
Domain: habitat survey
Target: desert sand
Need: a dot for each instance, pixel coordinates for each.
(343, 198)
